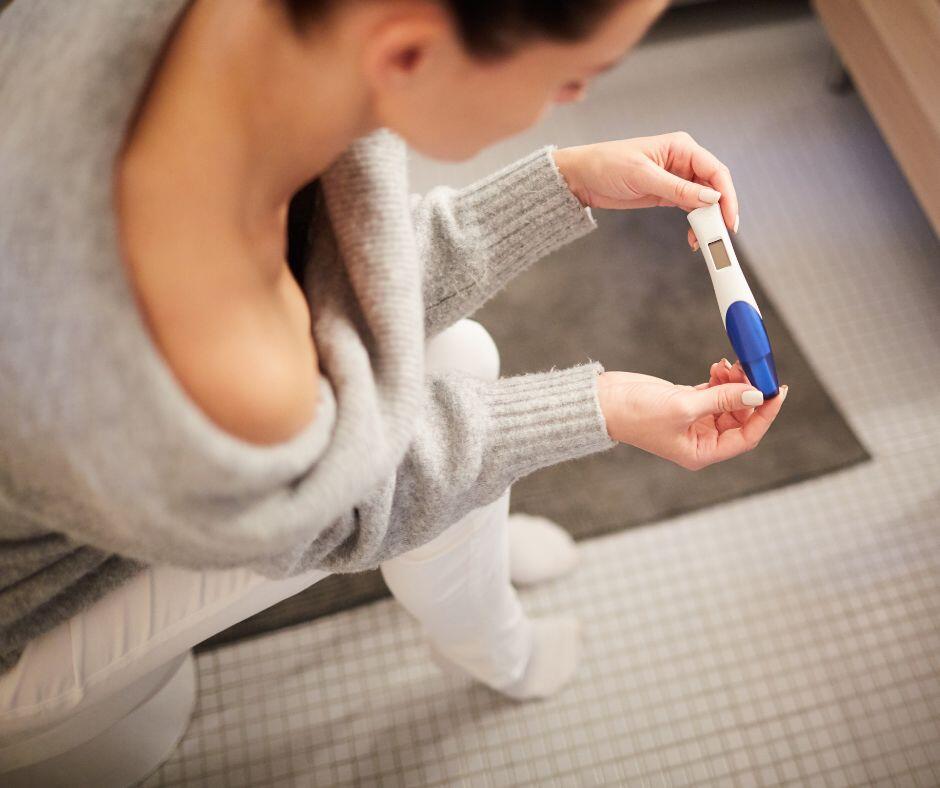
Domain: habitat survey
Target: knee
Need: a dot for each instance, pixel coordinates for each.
(482, 355)
(467, 347)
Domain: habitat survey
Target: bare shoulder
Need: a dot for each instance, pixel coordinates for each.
(250, 363)
(228, 317)
(239, 345)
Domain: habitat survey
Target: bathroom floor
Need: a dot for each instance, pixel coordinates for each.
(787, 637)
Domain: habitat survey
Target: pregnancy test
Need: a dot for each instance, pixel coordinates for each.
(739, 311)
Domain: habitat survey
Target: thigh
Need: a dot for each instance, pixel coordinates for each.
(461, 576)
(156, 616)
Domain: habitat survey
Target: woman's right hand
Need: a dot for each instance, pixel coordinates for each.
(693, 426)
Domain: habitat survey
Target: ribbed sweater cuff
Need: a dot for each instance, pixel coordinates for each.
(543, 418)
(527, 209)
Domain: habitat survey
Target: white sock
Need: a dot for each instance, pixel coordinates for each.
(556, 651)
(538, 549)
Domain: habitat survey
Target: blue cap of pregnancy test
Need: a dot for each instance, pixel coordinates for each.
(752, 345)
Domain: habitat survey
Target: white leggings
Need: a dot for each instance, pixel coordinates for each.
(457, 586)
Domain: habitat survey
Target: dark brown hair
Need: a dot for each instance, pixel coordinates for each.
(491, 28)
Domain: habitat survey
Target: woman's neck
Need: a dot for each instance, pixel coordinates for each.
(243, 112)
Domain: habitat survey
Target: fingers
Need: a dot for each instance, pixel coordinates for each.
(721, 372)
(689, 195)
(710, 170)
(725, 372)
(733, 442)
(718, 372)
(724, 398)
(690, 159)
(733, 420)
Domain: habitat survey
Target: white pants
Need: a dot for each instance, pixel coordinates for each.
(457, 586)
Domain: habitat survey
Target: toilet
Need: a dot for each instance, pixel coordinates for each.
(114, 743)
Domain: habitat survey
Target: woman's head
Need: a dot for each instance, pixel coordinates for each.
(453, 76)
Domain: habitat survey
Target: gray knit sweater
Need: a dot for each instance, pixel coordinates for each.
(106, 465)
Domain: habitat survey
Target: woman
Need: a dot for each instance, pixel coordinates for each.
(193, 428)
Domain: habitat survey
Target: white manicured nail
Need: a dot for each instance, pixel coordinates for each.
(752, 398)
(709, 195)
(737, 221)
(728, 364)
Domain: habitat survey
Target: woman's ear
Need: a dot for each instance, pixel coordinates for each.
(406, 45)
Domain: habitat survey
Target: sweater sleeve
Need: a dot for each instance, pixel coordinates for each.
(313, 501)
(474, 440)
(472, 241)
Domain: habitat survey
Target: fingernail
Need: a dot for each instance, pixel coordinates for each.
(727, 363)
(695, 247)
(737, 221)
(709, 195)
(752, 398)
(783, 391)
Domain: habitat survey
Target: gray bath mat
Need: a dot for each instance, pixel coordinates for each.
(634, 297)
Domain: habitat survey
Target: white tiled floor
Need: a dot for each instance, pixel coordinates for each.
(789, 637)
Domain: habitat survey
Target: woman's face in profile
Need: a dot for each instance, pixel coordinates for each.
(457, 104)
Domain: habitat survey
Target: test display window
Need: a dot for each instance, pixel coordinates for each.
(719, 254)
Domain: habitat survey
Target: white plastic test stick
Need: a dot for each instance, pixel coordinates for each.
(740, 314)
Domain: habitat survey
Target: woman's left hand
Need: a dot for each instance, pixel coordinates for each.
(665, 170)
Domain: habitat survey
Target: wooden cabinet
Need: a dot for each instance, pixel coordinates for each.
(892, 50)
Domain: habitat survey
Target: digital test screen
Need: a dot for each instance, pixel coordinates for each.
(719, 254)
